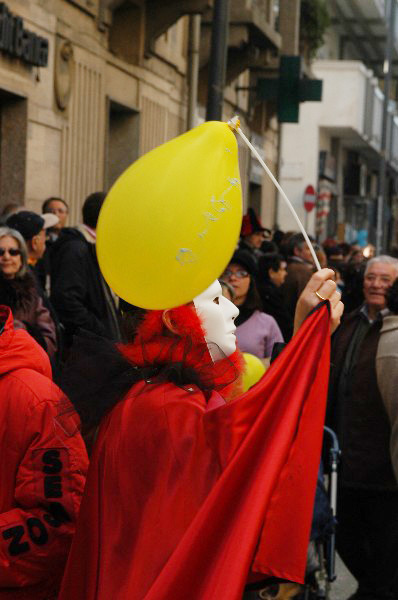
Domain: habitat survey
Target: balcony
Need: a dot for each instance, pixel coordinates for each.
(259, 18)
(252, 37)
(162, 14)
(353, 106)
(146, 19)
(382, 7)
(373, 122)
(362, 26)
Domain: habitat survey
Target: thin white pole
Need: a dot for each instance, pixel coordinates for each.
(235, 126)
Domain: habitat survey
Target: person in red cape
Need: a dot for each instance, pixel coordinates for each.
(193, 492)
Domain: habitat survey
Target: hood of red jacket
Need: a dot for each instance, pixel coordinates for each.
(18, 350)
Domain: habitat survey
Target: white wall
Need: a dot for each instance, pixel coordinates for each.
(341, 110)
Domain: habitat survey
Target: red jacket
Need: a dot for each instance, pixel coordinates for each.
(43, 463)
(186, 494)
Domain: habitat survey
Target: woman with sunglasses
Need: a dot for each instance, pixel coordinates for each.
(256, 331)
(18, 291)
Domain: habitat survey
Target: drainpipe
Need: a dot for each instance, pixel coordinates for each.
(218, 60)
(387, 69)
(193, 68)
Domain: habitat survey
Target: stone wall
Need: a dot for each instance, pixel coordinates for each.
(90, 112)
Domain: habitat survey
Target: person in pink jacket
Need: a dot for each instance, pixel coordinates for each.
(256, 332)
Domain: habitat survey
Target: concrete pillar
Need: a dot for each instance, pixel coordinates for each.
(289, 26)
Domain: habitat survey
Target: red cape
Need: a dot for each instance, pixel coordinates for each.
(184, 500)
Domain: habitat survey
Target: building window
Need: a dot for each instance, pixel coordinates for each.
(122, 146)
(127, 32)
(13, 139)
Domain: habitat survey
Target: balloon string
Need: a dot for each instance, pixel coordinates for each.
(235, 125)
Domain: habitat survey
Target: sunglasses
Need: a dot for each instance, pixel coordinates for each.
(11, 251)
(239, 274)
(57, 211)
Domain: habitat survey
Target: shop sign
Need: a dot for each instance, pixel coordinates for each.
(17, 41)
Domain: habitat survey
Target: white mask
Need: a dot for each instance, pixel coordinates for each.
(217, 314)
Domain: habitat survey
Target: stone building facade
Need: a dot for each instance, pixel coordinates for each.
(114, 85)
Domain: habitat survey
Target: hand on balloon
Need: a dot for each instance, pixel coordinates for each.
(321, 283)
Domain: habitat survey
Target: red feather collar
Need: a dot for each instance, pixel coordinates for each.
(154, 345)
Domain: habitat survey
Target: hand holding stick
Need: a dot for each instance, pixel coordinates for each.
(321, 286)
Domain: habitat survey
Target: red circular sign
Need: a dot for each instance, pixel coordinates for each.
(309, 198)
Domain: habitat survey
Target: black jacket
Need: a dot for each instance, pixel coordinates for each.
(273, 304)
(79, 293)
(358, 415)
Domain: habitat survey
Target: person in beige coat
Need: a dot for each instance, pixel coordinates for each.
(387, 369)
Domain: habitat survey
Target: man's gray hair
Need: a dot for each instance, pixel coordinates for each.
(7, 232)
(385, 259)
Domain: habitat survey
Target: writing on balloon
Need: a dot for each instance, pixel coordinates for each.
(217, 207)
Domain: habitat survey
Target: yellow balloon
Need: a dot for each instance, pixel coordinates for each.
(254, 370)
(170, 223)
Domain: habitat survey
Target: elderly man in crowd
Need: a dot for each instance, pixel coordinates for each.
(367, 534)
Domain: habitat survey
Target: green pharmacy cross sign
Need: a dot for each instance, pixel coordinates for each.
(289, 89)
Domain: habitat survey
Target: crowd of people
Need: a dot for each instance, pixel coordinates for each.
(50, 276)
(362, 405)
(268, 272)
(51, 280)
(51, 289)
